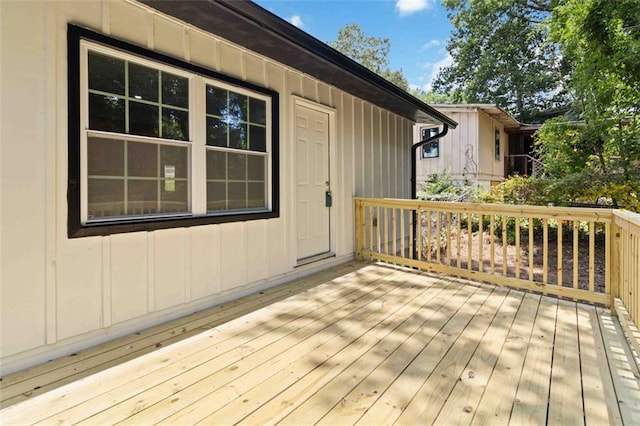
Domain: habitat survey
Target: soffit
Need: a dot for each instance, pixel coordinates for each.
(249, 25)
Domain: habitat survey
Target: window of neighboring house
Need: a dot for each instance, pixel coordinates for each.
(496, 139)
(163, 143)
(430, 149)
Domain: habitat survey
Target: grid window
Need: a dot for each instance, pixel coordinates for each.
(236, 150)
(144, 176)
(147, 125)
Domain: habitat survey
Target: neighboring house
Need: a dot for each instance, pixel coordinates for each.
(163, 157)
(488, 145)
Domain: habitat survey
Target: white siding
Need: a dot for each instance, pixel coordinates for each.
(491, 170)
(467, 151)
(458, 150)
(59, 295)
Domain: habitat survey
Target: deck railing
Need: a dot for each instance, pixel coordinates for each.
(589, 255)
(626, 262)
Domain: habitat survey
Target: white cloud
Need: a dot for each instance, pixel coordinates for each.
(297, 21)
(433, 70)
(432, 43)
(407, 7)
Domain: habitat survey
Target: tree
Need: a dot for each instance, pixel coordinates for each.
(601, 39)
(432, 97)
(501, 55)
(371, 52)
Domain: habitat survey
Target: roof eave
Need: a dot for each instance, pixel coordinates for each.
(332, 66)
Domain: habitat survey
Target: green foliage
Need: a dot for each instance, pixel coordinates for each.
(432, 97)
(371, 52)
(520, 190)
(501, 54)
(440, 185)
(598, 156)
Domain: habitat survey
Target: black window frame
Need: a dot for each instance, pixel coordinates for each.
(426, 133)
(75, 227)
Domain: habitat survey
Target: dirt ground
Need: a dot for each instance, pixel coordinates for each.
(538, 258)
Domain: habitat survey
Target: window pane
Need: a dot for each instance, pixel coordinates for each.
(238, 107)
(175, 124)
(431, 149)
(237, 167)
(216, 165)
(142, 197)
(258, 138)
(216, 196)
(142, 159)
(216, 132)
(105, 157)
(106, 74)
(143, 82)
(256, 167)
(216, 101)
(175, 197)
(256, 195)
(175, 90)
(174, 160)
(105, 198)
(143, 119)
(106, 113)
(257, 111)
(238, 135)
(237, 195)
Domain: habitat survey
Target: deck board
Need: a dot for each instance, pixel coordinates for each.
(531, 399)
(459, 408)
(565, 371)
(360, 344)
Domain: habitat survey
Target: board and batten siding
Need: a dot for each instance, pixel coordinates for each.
(458, 150)
(490, 170)
(466, 152)
(58, 294)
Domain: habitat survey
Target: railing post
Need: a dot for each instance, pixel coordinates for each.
(614, 263)
(359, 212)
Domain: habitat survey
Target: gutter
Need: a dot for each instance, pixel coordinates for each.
(414, 159)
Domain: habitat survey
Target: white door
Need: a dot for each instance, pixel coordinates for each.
(312, 182)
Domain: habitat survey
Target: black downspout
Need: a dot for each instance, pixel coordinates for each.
(414, 159)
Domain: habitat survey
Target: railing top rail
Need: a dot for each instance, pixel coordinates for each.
(521, 210)
(627, 220)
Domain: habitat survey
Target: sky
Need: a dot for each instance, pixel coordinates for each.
(417, 29)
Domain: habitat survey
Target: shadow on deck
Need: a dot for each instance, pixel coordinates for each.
(361, 343)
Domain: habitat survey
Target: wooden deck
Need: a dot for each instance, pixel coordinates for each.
(359, 344)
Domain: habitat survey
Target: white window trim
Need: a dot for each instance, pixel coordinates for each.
(197, 192)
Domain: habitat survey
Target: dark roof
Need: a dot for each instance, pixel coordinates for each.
(249, 25)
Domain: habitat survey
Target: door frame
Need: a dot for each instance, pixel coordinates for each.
(333, 183)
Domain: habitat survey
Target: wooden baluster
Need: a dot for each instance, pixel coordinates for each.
(545, 251)
(480, 243)
(559, 254)
(470, 240)
(419, 234)
(531, 249)
(492, 236)
(448, 221)
(504, 245)
(517, 231)
(402, 234)
(437, 239)
(458, 232)
(576, 251)
(592, 256)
